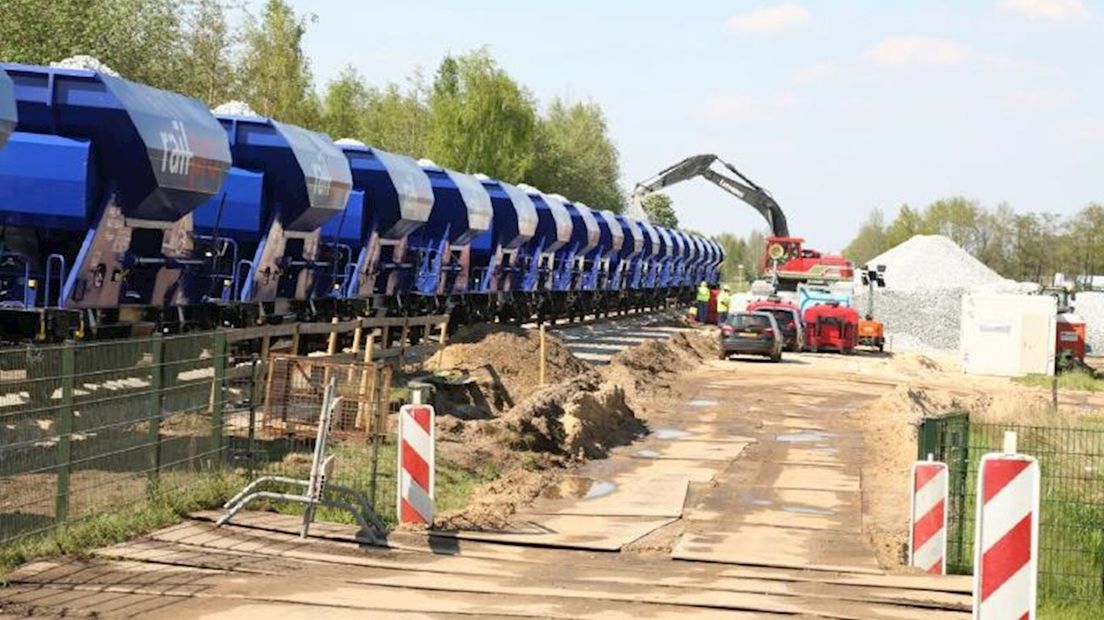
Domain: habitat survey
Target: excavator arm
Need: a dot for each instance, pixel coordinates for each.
(738, 185)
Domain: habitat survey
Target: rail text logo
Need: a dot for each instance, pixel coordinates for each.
(178, 155)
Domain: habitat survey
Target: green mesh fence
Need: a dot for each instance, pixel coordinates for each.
(1071, 459)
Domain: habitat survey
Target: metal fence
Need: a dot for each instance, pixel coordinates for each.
(98, 426)
(1071, 459)
(282, 437)
(94, 428)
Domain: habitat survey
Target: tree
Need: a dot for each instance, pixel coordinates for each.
(398, 120)
(956, 218)
(871, 240)
(659, 210)
(275, 75)
(756, 245)
(733, 268)
(576, 157)
(345, 106)
(207, 45)
(905, 226)
(481, 120)
(140, 39)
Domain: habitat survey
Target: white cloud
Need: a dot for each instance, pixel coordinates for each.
(917, 50)
(816, 73)
(1015, 66)
(1083, 130)
(1048, 10)
(771, 19)
(1036, 98)
(741, 107)
(728, 108)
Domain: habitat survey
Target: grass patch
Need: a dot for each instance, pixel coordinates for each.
(1084, 610)
(454, 484)
(1077, 380)
(112, 526)
(1071, 545)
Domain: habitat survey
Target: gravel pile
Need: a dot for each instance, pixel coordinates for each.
(921, 304)
(932, 262)
(921, 321)
(85, 62)
(235, 108)
(1090, 306)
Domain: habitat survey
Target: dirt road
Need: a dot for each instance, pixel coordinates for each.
(745, 500)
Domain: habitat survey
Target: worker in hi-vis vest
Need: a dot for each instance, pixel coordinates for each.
(703, 302)
(722, 305)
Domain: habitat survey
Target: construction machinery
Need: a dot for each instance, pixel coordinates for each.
(784, 257)
(872, 332)
(1069, 351)
(831, 326)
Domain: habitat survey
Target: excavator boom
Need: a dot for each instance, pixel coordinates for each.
(738, 185)
(784, 256)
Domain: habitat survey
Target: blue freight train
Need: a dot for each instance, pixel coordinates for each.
(126, 209)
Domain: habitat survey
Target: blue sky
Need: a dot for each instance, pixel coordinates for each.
(835, 107)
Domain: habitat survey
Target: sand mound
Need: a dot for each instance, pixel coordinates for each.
(654, 367)
(582, 417)
(504, 364)
(502, 415)
(557, 426)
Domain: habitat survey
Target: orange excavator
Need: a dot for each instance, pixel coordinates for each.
(784, 258)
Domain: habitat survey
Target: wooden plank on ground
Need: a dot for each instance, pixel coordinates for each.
(567, 531)
(783, 547)
(631, 496)
(620, 592)
(693, 450)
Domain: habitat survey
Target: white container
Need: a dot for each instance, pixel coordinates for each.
(1008, 335)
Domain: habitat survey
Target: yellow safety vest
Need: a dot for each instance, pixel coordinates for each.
(722, 303)
(703, 293)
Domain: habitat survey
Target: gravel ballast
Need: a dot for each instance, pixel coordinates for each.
(926, 278)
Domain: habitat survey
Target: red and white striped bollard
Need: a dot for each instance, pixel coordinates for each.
(928, 517)
(417, 468)
(1006, 542)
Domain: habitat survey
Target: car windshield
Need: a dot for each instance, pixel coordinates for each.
(749, 321)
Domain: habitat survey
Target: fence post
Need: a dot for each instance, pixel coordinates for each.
(218, 358)
(65, 433)
(252, 436)
(295, 339)
(927, 436)
(157, 376)
(543, 355)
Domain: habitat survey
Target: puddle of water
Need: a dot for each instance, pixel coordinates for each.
(807, 510)
(600, 488)
(578, 487)
(648, 454)
(807, 436)
(671, 433)
(702, 402)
